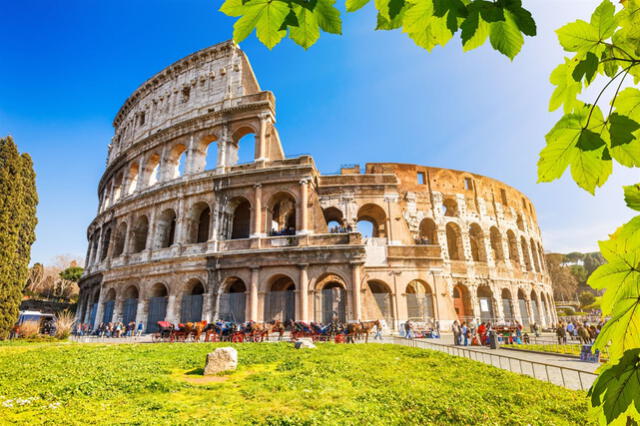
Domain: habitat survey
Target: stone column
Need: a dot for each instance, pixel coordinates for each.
(253, 294)
(222, 150)
(355, 281)
(206, 304)
(98, 250)
(171, 315)
(261, 140)
(304, 209)
(304, 293)
(151, 230)
(466, 244)
(515, 306)
(141, 314)
(100, 310)
(257, 211)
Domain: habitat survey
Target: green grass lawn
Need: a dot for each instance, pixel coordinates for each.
(276, 384)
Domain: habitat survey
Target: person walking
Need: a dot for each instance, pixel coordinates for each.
(408, 328)
(455, 328)
(140, 329)
(378, 335)
(464, 330)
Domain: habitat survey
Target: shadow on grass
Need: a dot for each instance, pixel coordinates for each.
(195, 372)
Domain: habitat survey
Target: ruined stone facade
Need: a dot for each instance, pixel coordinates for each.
(185, 233)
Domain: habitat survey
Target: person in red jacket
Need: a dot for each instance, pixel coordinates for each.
(482, 331)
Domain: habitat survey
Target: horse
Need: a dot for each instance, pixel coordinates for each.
(197, 330)
(584, 336)
(366, 327)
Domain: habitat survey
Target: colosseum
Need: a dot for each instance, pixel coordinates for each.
(184, 232)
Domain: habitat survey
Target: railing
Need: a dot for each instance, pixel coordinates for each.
(570, 378)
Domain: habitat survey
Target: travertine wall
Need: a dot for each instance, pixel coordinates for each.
(182, 234)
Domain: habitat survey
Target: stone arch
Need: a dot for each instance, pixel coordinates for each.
(428, 233)
(238, 218)
(507, 305)
(520, 222)
(280, 300)
(330, 298)
(242, 148)
(485, 303)
(450, 207)
(176, 161)
(281, 214)
(117, 186)
(534, 254)
(129, 302)
(152, 169)
(496, 244)
(525, 253)
(139, 235)
(476, 240)
(334, 218)
(513, 247)
(132, 178)
(156, 306)
(108, 306)
(233, 300)
(200, 220)
(166, 229)
(454, 241)
(462, 302)
(120, 239)
(380, 302)
(192, 301)
(419, 301)
(106, 241)
(205, 155)
(376, 216)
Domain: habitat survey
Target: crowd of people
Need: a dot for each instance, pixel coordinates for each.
(584, 332)
(111, 329)
(412, 330)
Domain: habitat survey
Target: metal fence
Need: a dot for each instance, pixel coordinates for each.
(567, 377)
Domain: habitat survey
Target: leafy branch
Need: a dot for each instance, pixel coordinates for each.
(587, 142)
(429, 23)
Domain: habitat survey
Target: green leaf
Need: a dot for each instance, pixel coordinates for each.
(625, 147)
(628, 103)
(453, 10)
(474, 32)
(328, 17)
(353, 5)
(383, 23)
(488, 10)
(573, 143)
(632, 196)
(233, 8)
(578, 36)
(609, 66)
(425, 29)
(603, 21)
(307, 32)
(266, 17)
(568, 88)
(505, 36)
(522, 17)
(587, 67)
(618, 387)
(290, 21)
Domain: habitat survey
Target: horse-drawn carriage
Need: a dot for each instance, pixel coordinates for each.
(183, 332)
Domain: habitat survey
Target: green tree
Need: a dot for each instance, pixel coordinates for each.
(18, 201)
(593, 261)
(563, 282)
(574, 257)
(586, 298)
(72, 273)
(580, 273)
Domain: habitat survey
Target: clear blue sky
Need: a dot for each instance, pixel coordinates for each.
(364, 97)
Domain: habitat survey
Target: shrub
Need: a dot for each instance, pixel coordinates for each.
(29, 329)
(64, 324)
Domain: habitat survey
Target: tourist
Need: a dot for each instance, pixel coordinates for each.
(140, 329)
(536, 329)
(464, 330)
(455, 328)
(561, 333)
(378, 329)
(482, 333)
(408, 329)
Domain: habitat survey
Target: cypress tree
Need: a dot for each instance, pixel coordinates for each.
(18, 201)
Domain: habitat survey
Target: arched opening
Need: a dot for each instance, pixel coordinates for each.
(233, 301)
(280, 303)
(93, 308)
(330, 299)
(454, 242)
(450, 207)
(419, 301)
(166, 229)
(525, 253)
(534, 254)
(152, 170)
(192, 301)
(485, 301)
(119, 242)
(140, 233)
(381, 308)
(106, 239)
(200, 219)
(513, 248)
(130, 305)
(239, 217)
(535, 307)
(176, 161)
(282, 214)
(334, 219)
(476, 240)
(132, 178)
(109, 304)
(462, 302)
(117, 187)
(210, 156)
(245, 142)
(375, 215)
(159, 297)
(520, 223)
(428, 232)
(507, 307)
(522, 305)
(496, 244)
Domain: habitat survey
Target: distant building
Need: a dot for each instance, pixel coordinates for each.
(185, 233)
